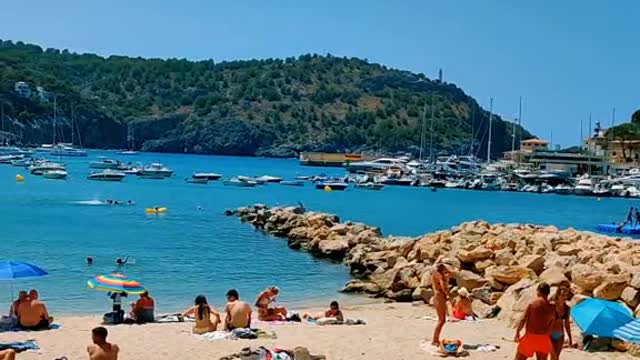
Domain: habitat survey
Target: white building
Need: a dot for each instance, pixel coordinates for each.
(44, 95)
(22, 89)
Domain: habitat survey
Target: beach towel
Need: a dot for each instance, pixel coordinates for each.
(334, 321)
(215, 335)
(173, 318)
(443, 352)
(481, 347)
(272, 322)
(20, 346)
(244, 334)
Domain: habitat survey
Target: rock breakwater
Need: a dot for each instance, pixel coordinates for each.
(500, 264)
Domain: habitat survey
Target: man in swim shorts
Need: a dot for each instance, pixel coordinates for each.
(238, 313)
(537, 321)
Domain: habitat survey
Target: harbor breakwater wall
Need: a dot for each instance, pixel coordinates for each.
(500, 264)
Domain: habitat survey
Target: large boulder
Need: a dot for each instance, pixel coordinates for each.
(515, 300)
(358, 286)
(424, 294)
(612, 287)
(555, 277)
(510, 275)
(385, 279)
(631, 297)
(635, 281)
(504, 257)
(587, 277)
(533, 262)
(469, 280)
(404, 295)
(481, 309)
(482, 293)
(568, 250)
(335, 249)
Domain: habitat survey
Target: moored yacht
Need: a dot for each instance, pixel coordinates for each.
(55, 174)
(378, 165)
(41, 168)
(155, 171)
(106, 175)
(207, 176)
(107, 164)
(584, 186)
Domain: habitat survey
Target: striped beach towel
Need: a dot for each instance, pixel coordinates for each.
(629, 332)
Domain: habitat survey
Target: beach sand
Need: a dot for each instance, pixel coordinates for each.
(393, 331)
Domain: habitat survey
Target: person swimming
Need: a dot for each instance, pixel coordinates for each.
(130, 202)
(121, 261)
(89, 260)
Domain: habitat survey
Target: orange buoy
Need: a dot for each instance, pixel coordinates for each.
(19, 178)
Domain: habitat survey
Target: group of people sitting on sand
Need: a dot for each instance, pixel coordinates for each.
(29, 312)
(142, 311)
(237, 313)
(545, 322)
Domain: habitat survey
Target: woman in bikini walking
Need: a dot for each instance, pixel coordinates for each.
(561, 323)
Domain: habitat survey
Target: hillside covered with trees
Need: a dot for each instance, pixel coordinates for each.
(272, 107)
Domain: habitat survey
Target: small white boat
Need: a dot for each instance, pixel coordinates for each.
(9, 159)
(238, 181)
(107, 164)
(128, 152)
(203, 181)
(584, 186)
(563, 189)
(269, 179)
(206, 176)
(369, 186)
(292, 182)
(107, 175)
(64, 150)
(250, 179)
(55, 174)
(339, 186)
(40, 168)
(155, 171)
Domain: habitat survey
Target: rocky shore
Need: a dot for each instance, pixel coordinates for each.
(500, 264)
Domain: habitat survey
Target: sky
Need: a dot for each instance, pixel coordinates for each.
(567, 59)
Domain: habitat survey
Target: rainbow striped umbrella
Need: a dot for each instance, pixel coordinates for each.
(116, 283)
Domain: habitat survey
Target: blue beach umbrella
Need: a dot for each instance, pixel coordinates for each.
(12, 270)
(600, 317)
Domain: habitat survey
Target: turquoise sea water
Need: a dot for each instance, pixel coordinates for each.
(190, 251)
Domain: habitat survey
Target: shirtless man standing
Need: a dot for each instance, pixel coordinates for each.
(238, 312)
(537, 321)
(101, 349)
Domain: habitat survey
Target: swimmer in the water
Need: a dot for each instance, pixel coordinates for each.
(120, 261)
(200, 208)
(115, 202)
(130, 202)
(89, 260)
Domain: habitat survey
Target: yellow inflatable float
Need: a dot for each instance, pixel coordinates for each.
(158, 210)
(19, 178)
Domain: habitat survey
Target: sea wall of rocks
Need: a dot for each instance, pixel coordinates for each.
(499, 264)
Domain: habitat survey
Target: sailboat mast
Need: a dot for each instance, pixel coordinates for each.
(473, 125)
(589, 147)
(519, 126)
(73, 131)
(424, 114)
(55, 114)
(2, 116)
(433, 109)
(490, 124)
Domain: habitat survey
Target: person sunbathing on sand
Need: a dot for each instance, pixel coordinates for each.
(238, 313)
(334, 312)
(207, 318)
(461, 308)
(101, 349)
(32, 314)
(264, 304)
(8, 354)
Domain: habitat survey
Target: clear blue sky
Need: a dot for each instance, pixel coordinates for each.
(566, 58)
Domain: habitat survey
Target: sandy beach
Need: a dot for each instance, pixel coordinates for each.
(393, 331)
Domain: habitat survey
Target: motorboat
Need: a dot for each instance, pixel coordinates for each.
(64, 150)
(378, 165)
(55, 174)
(155, 171)
(206, 176)
(25, 163)
(509, 186)
(269, 179)
(107, 175)
(202, 181)
(107, 164)
(437, 183)
(369, 186)
(41, 168)
(339, 186)
(251, 179)
(452, 184)
(563, 189)
(292, 182)
(490, 181)
(397, 180)
(584, 186)
(546, 189)
(239, 181)
(303, 177)
(128, 152)
(13, 150)
(8, 159)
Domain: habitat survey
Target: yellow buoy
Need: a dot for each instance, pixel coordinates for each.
(155, 210)
(327, 188)
(19, 178)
